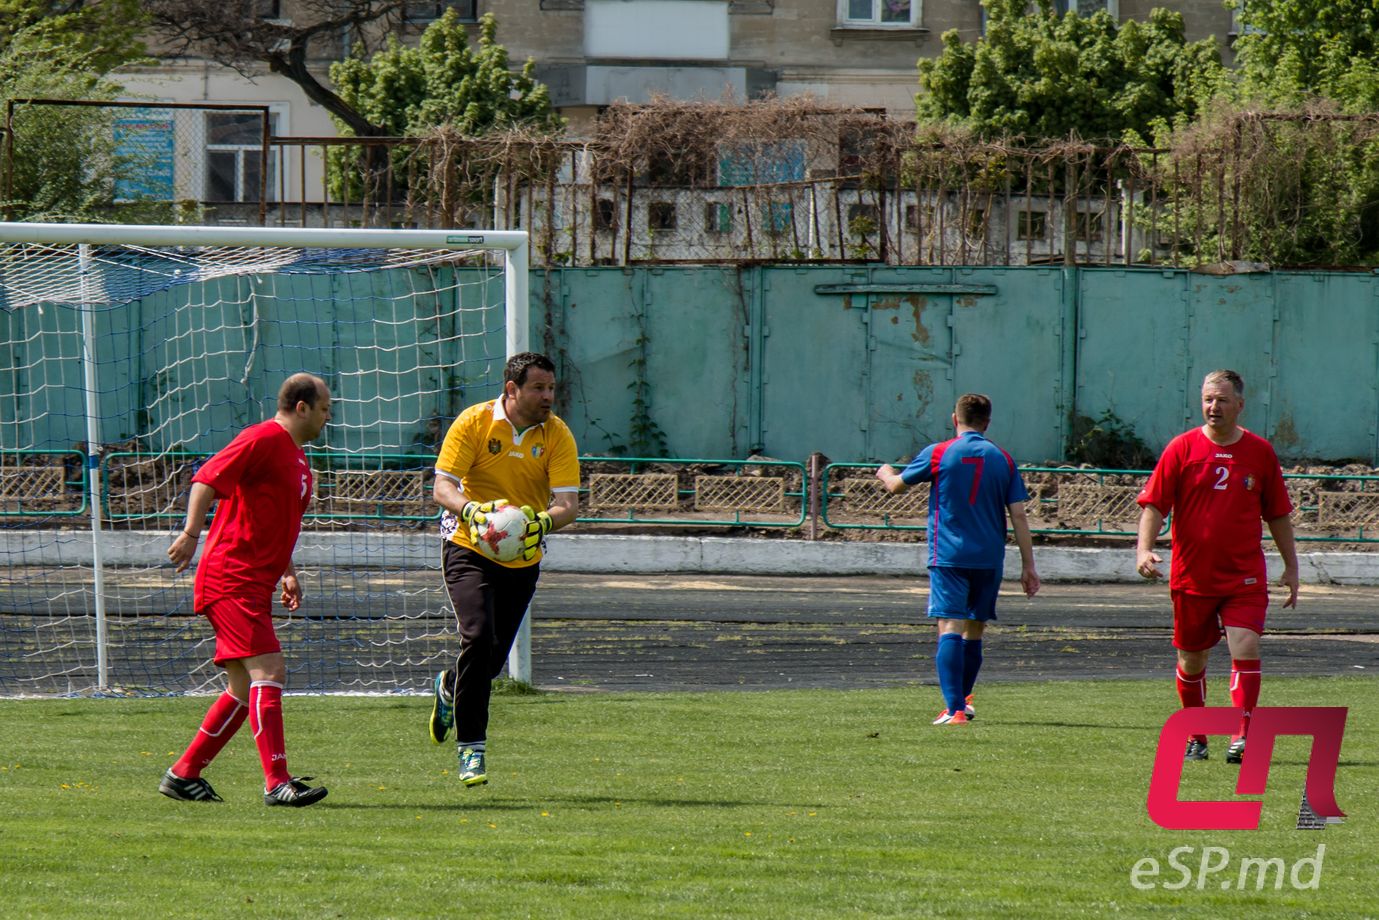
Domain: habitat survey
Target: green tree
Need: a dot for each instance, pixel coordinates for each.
(1038, 75)
(101, 35)
(1289, 50)
(444, 80)
(64, 159)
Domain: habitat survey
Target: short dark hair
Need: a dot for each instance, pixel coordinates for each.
(1226, 376)
(300, 388)
(973, 410)
(520, 363)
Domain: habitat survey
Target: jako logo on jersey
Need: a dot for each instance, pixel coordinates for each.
(495, 446)
(1325, 724)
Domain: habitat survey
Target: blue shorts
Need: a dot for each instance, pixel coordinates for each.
(963, 594)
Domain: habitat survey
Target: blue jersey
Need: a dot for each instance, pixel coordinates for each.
(972, 481)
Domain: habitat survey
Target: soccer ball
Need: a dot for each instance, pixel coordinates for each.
(498, 533)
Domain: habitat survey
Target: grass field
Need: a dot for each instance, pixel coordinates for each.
(770, 805)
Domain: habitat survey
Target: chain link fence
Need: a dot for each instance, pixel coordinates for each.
(139, 162)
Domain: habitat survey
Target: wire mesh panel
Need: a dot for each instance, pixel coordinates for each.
(1347, 509)
(1111, 507)
(865, 501)
(385, 493)
(731, 493)
(631, 491)
(35, 490)
(701, 492)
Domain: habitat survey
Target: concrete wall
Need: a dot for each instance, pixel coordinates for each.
(862, 363)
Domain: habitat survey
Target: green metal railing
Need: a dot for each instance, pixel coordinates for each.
(30, 488)
(378, 496)
(394, 489)
(1046, 503)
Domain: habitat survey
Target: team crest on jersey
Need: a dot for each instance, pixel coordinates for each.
(495, 446)
(1249, 483)
(536, 450)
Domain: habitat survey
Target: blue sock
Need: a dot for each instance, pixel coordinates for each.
(948, 661)
(971, 664)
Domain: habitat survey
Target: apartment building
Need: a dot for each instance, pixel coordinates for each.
(592, 53)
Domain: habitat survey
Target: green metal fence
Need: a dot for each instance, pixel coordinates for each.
(379, 488)
(147, 489)
(1077, 501)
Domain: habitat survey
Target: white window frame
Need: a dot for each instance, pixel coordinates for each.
(1238, 28)
(845, 22)
(1112, 7)
(277, 124)
(441, 7)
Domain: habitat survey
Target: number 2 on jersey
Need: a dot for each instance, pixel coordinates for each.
(1223, 473)
(976, 478)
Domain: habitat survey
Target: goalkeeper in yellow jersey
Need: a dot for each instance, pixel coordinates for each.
(513, 449)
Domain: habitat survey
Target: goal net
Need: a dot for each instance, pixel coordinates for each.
(131, 354)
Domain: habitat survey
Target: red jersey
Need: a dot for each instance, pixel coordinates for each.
(264, 485)
(1218, 497)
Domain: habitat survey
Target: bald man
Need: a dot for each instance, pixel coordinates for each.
(263, 484)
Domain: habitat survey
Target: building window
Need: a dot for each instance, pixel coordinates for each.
(718, 217)
(917, 218)
(606, 215)
(779, 217)
(762, 163)
(234, 157)
(1239, 28)
(413, 11)
(660, 215)
(1088, 7)
(1087, 226)
(1032, 225)
(879, 14)
(867, 213)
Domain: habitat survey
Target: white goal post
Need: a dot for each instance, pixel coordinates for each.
(132, 352)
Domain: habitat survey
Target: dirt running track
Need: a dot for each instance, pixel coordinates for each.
(677, 632)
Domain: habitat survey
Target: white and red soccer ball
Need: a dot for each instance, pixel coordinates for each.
(498, 534)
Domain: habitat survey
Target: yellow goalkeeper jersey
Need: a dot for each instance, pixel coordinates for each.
(490, 459)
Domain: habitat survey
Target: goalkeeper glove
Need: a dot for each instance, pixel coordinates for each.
(475, 516)
(539, 524)
(471, 509)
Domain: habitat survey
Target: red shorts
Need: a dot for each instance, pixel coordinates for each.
(1199, 622)
(242, 629)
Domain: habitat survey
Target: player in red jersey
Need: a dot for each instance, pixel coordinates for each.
(264, 484)
(1218, 481)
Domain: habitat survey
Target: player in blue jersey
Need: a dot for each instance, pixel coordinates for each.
(974, 485)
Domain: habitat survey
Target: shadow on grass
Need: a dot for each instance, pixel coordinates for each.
(476, 801)
(1100, 726)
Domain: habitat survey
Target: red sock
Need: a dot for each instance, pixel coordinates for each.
(222, 720)
(1245, 678)
(266, 719)
(1192, 691)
